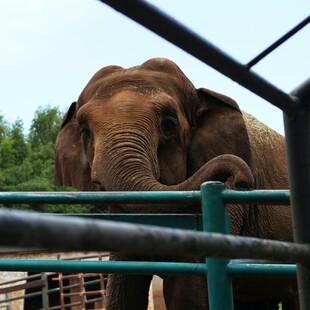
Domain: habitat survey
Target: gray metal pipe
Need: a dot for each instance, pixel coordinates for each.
(297, 132)
(170, 29)
(28, 229)
(280, 41)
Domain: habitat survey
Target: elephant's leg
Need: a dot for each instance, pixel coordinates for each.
(185, 292)
(128, 292)
(290, 303)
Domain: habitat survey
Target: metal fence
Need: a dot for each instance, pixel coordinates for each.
(14, 290)
(46, 231)
(58, 232)
(56, 291)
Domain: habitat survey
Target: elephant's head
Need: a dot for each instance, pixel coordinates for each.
(148, 128)
(71, 166)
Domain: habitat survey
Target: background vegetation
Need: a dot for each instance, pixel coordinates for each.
(27, 162)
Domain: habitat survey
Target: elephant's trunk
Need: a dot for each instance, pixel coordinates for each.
(129, 164)
(134, 173)
(220, 168)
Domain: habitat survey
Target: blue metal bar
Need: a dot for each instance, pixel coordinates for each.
(103, 267)
(189, 197)
(142, 267)
(279, 197)
(261, 270)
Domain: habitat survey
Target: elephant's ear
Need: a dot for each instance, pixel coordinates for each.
(71, 165)
(205, 94)
(69, 114)
(219, 129)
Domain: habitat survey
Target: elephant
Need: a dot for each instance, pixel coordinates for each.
(147, 128)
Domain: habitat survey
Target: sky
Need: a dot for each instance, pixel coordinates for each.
(50, 49)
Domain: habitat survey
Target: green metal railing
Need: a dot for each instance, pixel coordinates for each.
(106, 232)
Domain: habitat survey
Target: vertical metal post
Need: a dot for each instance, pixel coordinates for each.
(297, 131)
(45, 299)
(215, 219)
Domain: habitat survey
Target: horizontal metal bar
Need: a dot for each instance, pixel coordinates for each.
(142, 267)
(86, 283)
(74, 234)
(30, 295)
(31, 284)
(183, 221)
(21, 279)
(261, 270)
(279, 197)
(276, 44)
(170, 29)
(189, 197)
(131, 267)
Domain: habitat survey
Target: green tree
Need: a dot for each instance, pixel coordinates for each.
(27, 164)
(44, 127)
(19, 145)
(3, 128)
(5, 144)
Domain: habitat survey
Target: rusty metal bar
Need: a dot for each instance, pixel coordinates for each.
(297, 131)
(23, 265)
(170, 29)
(276, 44)
(18, 287)
(25, 229)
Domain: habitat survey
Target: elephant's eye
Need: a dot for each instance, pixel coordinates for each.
(168, 126)
(86, 136)
(87, 142)
(85, 131)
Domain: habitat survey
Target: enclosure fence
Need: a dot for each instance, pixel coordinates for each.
(169, 235)
(214, 242)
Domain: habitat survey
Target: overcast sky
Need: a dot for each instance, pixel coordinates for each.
(50, 49)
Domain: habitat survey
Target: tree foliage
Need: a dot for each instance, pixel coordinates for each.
(27, 162)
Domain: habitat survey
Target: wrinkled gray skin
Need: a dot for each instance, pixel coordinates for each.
(148, 128)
